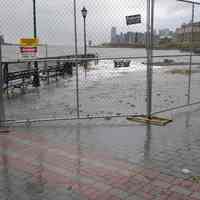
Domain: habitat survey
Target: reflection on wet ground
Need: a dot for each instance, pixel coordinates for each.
(109, 160)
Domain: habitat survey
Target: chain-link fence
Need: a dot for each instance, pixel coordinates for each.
(93, 65)
(176, 77)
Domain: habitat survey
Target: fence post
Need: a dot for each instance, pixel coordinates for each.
(76, 63)
(149, 48)
(46, 56)
(2, 109)
(191, 54)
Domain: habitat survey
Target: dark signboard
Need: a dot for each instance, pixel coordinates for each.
(133, 19)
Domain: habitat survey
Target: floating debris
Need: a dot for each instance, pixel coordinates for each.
(186, 171)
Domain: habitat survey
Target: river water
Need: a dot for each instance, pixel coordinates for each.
(13, 52)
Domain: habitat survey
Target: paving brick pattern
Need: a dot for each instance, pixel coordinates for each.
(32, 167)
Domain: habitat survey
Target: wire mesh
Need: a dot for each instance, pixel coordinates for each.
(176, 78)
(111, 62)
(104, 90)
(55, 98)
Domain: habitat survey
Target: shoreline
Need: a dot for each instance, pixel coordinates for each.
(195, 50)
(129, 47)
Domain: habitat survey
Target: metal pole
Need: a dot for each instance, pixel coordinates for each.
(34, 19)
(76, 63)
(151, 56)
(46, 50)
(191, 53)
(85, 46)
(35, 35)
(2, 109)
(46, 55)
(147, 51)
(149, 46)
(85, 43)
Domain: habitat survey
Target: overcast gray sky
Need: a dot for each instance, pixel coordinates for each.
(55, 18)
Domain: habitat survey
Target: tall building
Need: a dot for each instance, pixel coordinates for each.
(140, 38)
(183, 34)
(166, 33)
(113, 35)
(90, 43)
(2, 39)
(122, 38)
(130, 37)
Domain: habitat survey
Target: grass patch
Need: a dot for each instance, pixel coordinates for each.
(182, 71)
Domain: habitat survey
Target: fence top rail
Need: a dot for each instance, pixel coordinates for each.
(191, 2)
(76, 59)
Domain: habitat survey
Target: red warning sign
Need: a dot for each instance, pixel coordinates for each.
(28, 49)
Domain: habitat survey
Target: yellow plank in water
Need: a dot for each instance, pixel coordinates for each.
(154, 120)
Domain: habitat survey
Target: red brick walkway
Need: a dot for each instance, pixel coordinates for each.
(94, 175)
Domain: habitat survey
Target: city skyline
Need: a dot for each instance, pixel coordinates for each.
(126, 38)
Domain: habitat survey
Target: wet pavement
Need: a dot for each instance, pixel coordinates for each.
(99, 159)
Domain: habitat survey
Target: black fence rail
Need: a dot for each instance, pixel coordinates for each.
(47, 69)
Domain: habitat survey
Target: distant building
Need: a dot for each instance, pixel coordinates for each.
(183, 34)
(166, 34)
(127, 38)
(140, 38)
(122, 38)
(90, 43)
(2, 41)
(130, 37)
(113, 35)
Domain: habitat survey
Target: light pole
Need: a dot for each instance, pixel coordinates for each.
(36, 80)
(34, 20)
(84, 14)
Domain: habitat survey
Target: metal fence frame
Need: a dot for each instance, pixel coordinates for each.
(2, 110)
(149, 72)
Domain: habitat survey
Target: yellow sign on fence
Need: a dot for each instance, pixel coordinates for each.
(29, 42)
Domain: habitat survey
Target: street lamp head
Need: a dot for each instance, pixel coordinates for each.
(84, 12)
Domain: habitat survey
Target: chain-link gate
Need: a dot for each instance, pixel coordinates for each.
(90, 64)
